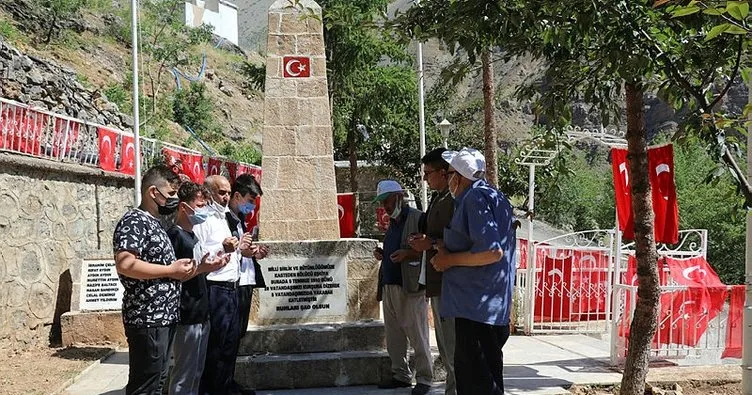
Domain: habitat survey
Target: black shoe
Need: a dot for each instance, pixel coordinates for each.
(421, 389)
(394, 383)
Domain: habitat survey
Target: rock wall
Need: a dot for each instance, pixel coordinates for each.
(46, 85)
(53, 216)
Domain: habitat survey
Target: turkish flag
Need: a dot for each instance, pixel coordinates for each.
(127, 155)
(252, 219)
(214, 167)
(552, 293)
(382, 219)
(107, 142)
(232, 171)
(663, 193)
(622, 191)
(25, 127)
(173, 159)
(346, 209)
(193, 167)
(735, 324)
(296, 66)
(665, 207)
(64, 136)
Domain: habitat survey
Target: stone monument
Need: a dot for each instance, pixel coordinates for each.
(315, 323)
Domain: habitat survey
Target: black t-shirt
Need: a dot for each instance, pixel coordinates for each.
(147, 303)
(194, 298)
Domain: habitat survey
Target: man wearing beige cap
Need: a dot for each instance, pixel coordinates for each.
(404, 299)
(478, 273)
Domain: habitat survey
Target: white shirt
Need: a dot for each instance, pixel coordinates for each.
(247, 270)
(210, 234)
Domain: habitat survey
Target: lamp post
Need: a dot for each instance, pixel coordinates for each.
(445, 126)
(136, 120)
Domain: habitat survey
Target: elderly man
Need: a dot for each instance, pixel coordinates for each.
(477, 261)
(215, 237)
(404, 300)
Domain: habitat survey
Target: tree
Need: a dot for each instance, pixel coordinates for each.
(57, 11)
(598, 51)
(372, 89)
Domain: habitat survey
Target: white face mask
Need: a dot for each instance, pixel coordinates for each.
(449, 184)
(397, 210)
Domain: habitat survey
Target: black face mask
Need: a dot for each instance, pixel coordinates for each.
(170, 206)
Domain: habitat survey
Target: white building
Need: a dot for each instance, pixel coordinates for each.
(221, 14)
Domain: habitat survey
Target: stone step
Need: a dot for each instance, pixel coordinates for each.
(312, 370)
(313, 338)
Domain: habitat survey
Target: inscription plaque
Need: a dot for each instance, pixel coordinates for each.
(304, 288)
(100, 286)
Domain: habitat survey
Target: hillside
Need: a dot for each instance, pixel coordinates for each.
(98, 65)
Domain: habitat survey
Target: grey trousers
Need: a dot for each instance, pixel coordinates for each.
(444, 328)
(189, 351)
(406, 319)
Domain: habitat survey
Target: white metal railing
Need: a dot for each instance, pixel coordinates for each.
(43, 134)
(697, 335)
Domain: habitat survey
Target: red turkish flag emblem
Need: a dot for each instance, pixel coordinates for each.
(128, 156)
(296, 66)
(107, 141)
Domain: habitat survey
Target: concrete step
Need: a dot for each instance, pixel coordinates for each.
(312, 370)
(313, 338)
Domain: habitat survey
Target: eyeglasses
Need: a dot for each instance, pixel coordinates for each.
(429, 172)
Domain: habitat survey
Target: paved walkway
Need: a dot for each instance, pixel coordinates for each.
(533, 365)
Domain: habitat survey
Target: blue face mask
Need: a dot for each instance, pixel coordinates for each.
(247, 208)
(199, 216)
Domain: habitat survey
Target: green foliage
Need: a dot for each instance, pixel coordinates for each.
(247, 153)
(192, 108)
(9, 32)
(372, 87)
(118, 95)
(255, 76)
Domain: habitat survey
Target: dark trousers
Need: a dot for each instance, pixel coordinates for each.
(245, 297)
(478, 359)
(222, 348)
(148, 359)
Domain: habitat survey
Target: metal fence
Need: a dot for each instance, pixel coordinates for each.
(43, 134)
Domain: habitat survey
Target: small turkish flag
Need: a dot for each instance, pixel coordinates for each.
(128, 156)
(296, 66)
(193, 167)
(214, 167)
(346, 207)
(107, 140)
(665, 207)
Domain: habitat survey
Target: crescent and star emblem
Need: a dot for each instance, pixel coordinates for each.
(296, 66)
(688, 273)
(131, 159)
(662, 168)
(341, 211)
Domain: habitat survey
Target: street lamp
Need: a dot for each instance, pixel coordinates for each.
(445, 126)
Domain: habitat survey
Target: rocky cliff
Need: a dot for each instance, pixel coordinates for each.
(47, 85)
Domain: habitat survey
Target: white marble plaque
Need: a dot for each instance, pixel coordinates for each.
(304, 288)
(100, 286)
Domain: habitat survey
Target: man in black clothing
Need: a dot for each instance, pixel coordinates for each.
(243, 196)
(151, 276)
(192, 333)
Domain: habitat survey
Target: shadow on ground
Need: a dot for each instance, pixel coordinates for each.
(82, 353)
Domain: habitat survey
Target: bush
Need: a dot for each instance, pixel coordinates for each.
(192, 108)
(241, 152)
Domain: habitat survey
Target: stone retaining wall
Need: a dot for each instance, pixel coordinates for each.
(52, 216)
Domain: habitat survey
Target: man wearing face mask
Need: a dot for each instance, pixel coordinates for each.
(192, 333)
(477, 261)
(151, 276)
(404, 299)
(244, 192)
(215, 238)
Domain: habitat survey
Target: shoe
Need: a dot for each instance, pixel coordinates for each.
(394, 383)
(421, 389)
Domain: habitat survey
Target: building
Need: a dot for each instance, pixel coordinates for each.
(221, 14)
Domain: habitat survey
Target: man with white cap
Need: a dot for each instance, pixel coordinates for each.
(404, 300)
(478, 273)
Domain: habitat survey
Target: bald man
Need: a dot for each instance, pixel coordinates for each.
(215, 237)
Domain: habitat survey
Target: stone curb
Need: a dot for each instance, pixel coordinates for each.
(61, 389)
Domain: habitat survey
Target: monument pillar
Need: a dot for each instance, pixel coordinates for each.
(300, 192)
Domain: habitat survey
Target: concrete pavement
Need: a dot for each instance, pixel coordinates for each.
(533, 365)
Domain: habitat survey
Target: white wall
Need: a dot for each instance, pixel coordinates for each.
(225, 21)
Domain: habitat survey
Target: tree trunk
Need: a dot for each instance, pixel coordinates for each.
(489, 124)
(645, 320)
